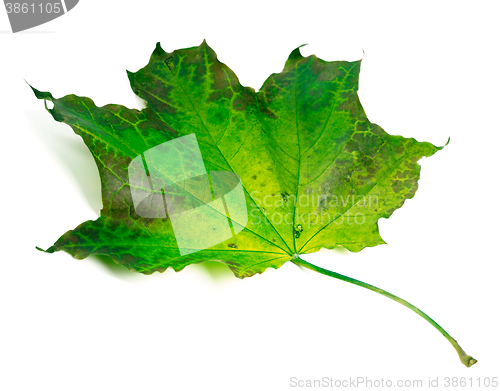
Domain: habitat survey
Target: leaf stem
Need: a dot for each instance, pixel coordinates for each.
(464, 358)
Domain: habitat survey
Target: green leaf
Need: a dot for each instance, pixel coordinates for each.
(312, 170)
(316, 173)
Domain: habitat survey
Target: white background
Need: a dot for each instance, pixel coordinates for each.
(430, 70)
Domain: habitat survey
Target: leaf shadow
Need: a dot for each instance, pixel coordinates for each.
(112, 268)
(70, 152)
(216, 271)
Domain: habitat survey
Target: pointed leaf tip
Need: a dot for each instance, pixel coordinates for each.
(206, 46)
(41, 94)
(158, 50)
(295, 54)
(447, 142)
(50, 250)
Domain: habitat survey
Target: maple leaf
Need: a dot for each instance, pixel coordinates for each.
(212, 170)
